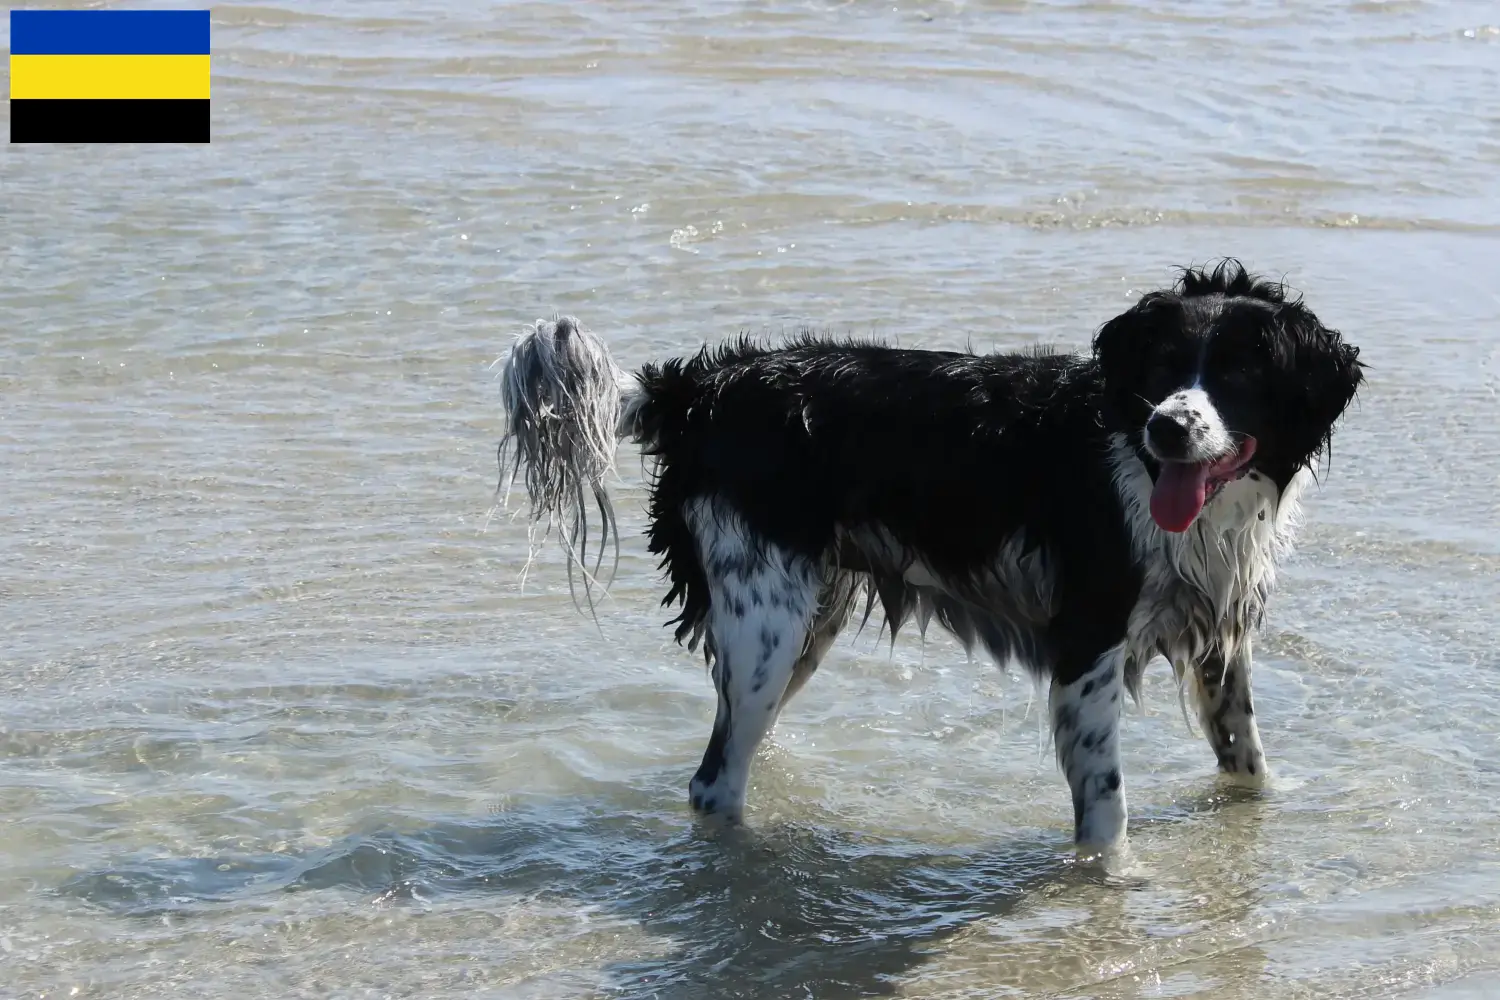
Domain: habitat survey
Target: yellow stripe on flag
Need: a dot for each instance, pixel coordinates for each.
(96, 77)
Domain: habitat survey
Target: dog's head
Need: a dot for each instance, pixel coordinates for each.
(1220, 376)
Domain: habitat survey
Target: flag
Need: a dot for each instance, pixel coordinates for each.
(109, 75)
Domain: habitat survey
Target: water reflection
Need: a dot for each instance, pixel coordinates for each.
(790, 909)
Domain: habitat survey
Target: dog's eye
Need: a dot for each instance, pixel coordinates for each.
(1250, 368)
(1246, 379)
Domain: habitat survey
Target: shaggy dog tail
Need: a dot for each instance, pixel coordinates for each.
(563, 401)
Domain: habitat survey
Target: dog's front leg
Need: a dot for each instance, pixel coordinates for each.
(1086, 729)
(1221, 691)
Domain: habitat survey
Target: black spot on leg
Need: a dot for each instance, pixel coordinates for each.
(1112, 779)
(712, 766)
(1087, 689)
(739, 607)
(718, 741)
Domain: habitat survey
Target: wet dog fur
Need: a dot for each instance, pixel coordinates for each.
(1079, 514)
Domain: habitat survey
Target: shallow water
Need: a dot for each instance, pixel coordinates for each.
(276, 718)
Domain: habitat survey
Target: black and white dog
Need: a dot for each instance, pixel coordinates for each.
(1079, 514)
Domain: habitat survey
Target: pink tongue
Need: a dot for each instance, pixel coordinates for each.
(1181, 488)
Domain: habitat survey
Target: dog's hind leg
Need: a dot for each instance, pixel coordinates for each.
(763, 603)
(834, 603)
(1221, 690)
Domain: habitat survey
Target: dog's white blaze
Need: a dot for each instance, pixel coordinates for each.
(764, 600)
(1085, 727)
(1208, 436)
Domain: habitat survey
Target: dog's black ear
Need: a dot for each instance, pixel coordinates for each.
(1124, 348)
(1323, 374)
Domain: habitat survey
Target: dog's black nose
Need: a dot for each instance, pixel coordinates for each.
(1167, 436)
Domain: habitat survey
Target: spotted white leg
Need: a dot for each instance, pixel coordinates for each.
(763, 602)
(1220, 687)
(1085, 727)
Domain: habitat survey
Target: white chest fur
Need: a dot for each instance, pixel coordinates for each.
(1208, 585)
